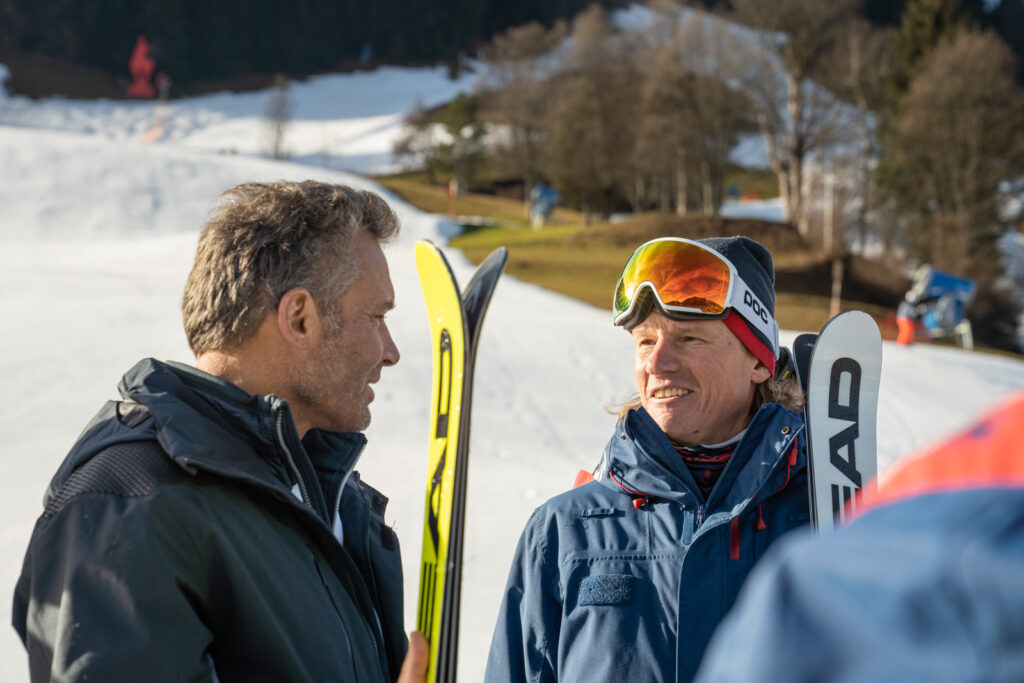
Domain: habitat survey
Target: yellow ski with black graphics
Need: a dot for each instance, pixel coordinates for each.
(455, 323)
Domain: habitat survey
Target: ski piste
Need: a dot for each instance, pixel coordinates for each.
(455, 323)
(840, 380)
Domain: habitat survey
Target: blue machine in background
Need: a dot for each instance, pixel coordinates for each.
(941, 300)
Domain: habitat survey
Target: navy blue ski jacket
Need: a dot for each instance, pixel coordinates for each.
(626, 578)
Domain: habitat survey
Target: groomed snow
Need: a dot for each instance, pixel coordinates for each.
(97, 232)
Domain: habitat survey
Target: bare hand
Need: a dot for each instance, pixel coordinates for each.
(414, 668)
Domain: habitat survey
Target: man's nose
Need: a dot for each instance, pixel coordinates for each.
(391, 354)
(664, 358)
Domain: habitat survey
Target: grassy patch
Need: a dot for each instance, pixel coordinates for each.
(508, 213)
(753, 182)
(808, 313)
(554, 258)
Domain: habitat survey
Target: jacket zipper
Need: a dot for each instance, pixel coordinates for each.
(702, 509)
(344, 482)
(369, 556)
(378, 632)
(303, 490)
(377, 605)
(379, 641)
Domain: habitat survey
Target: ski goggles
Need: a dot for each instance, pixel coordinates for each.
(688, 281)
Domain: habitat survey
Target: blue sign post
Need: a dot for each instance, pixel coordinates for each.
(543, 201)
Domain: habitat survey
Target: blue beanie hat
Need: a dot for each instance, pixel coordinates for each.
(754, 264)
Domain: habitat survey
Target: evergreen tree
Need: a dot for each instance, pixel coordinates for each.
(197, 41)
(1008, 19)
(463, 150)
(924, 25)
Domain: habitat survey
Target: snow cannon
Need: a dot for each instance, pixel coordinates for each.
(942, 299)
(931, 283)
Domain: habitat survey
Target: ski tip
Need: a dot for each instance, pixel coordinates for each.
(499, 255)
(855, 322)
(426, 245)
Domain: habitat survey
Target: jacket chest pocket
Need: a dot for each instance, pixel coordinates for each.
(609, 531)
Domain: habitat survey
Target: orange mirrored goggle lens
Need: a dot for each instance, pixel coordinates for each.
(685, 276)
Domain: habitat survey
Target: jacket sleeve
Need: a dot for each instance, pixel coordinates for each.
(885, 599)
(112, 590)
(525, 642)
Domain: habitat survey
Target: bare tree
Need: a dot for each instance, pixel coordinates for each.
(591, 121)
(718, 112)
(794, 40)
(690, 117)
(659, 152)
(278, 114)
(520, 62)
(662, 131)
(864, 61)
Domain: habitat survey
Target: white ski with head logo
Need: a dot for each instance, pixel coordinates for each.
(842, 411)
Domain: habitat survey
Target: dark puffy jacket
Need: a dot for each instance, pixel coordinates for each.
(927, 585)
(625, 578)
(173, 547)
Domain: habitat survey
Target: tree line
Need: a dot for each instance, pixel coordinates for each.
(904, 137)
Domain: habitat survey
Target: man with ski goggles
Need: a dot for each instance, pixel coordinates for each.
(626, 577)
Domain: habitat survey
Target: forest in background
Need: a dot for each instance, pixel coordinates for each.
(900, 139)
(890, 123)
(245, 43)
(202, 44)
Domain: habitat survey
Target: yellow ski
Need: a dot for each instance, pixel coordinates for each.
(455, 323)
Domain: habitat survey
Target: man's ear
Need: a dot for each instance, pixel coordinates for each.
(761, 373)
(298, 318)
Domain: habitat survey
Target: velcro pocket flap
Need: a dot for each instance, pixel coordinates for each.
(607, 589)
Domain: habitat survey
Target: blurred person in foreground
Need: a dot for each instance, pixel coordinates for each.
(926, 584)
(210, 525)
(626, 577)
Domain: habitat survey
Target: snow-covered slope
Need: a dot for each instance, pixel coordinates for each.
(97, 232)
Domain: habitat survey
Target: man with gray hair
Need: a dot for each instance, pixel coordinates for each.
(210, 526)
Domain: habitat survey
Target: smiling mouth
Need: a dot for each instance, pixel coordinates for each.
(671, 392)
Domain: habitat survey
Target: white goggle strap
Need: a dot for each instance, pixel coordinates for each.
(743, 300)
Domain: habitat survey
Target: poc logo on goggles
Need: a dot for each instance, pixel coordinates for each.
(754, 305)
